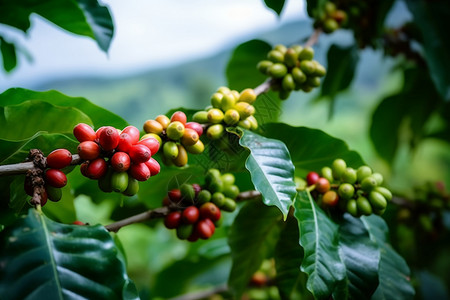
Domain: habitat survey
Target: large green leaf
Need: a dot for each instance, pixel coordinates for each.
(320, 241)
(341, 67)
(83, 17)
(252, 237)
(412, 107)
(275, 5)
(44, 259)
(98, 115)
(433, 20)
(394, 275)
(361, 257)
(8, 51)
(271, 169)
(311, 149)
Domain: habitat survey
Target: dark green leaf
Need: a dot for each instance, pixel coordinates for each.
(252, 237)
(83, 17)
(311, 149)
(361, 257)
(241, 70)
(314, 6)
(432, 19)
(394, 275)
(275, 5)
(320, 241)
(44, 259)
(341, 67)
(98, 115)
(271, 168)
(412, 107)
(268, 107)
(8, 51)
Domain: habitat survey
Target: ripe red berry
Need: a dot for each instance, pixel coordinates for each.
(197, 188)
(190, 215)
(109, 138)
(173, 220)
(196, 126)
(151, 144)
(312, 178)
(139, 153)
(140, 172)
(204, 228)
(97, 168)
(120, 161)
(322, 185)
(83, 168)
(78, 223)
(55, 178)
(153, 166)
(330, 198)
(88, 150)
(98, 132)
(175, 195)
(133, 132)
(178, 116)
(84, 132)
(193, 237)
(59, 158)
(210, 211)
(125, 142)
(44, 197)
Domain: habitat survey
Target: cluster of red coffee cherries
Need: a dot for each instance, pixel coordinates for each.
(117, 159)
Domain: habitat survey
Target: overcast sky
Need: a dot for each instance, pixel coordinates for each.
(149, 33)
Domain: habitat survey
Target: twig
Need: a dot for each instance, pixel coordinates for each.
(263, 87)
(203, 294)
(248, 195)
(142, 217)
(22, 168)
(313, 38)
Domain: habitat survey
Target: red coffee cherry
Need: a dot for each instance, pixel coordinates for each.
(44, 197)
(196, 126)
(173, 220)
(150, 143)
(322, 185)
(98, 132)
(88, 150)
(120, 161)
(97, 168)
(210, 211)
(174, 195)
(197, 188)
(125, 142)
(109, 138)
(204, 228)
(140, 172)
(312, 178)
(139, 153)
(84, 132)
(330, 198)
(55, 178)
(190, 215)
(153, 166)
(59, 158)
(178, 116)
(83, 169)
(133, 132)
(193, 237)
(78, 223)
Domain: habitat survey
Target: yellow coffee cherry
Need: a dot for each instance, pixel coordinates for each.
(235, 94)
(216, 100)
(197, 148)
(215, 131)
(200, 117)
(247, 95)
(231, 117)
(223, 90)
(215, 115)
(163, 120)
(152, 126)
(245, 110)
(245, 124)
(152, 135)
(253, 122)
(182, 157)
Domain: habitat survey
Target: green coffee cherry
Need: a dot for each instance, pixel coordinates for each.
(364, 206)
(338, 167)
(175, 130)
(277, 70)
(119, 181)
(313, 81)
(306, 54)
(187, 191)
(216, 185)
(327, 173)
(369, 183)
(245, 124)
(253, 122)
(346, 191)
(264, 65)
(330, 25)
(229, 205)
(288, 82)
(290, 57)
(218, 199)
(275, 56)
(132, 188)
(378, 177)
(215, 115)
(245, 110)
(284, 94)
(197, 148)
(385, 192)
(231, 117)
(231, 191)
(307, 67)
(280, 47)
(200, 117)
(54, 194)
(228, 102)
(184, 231)
(104, 183)
(329, 7)
(212, 174)
(298, 75)
(297, 48)
(170, 150)
(203, 197)
(377, 200)
(320, 70)
(227, 178)
(216, 100)
(352, 208)
(363, 172)
(215, 132)
(349, 175)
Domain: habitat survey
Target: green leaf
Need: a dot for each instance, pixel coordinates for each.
(252, 237)
(361, 257)
(403, 116)
(241, 70)
(98, 115)
(320, 241)
(82, 17)
(311, 149)
(314, 6)
(271, 169)
(341, 67)
(275, 5)
(41, 258)
(394, 275)
(8, 51)
(432, 19)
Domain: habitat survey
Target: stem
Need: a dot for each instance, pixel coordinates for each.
(313, 38)
(142, 217)
(248, 195)
(263, 87)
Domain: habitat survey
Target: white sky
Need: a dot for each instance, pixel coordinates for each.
(149, 33)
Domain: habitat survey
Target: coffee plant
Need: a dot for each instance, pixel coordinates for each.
(225, 202)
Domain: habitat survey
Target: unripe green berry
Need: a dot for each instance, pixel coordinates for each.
(119, 181)
(264, 65)
(218, 199)
(245, 110)
(329, 7)
(104, 183)
(313, 81)
(247, 95)
(378, 177)
(307, 67)
(368, 183)
(377, 200)
(306, 54)
(364, 206)
(330, 25)
(204, 196)
(245, 124)
(320, 70)
(288, 82)
(223, 90)
(363, 172)
(290, 57)
(170, 150)
(216, 100)
(231, 117)
(216, 185)
(184, 231)
(275, 56)
(338, 167)
(175, 130)
(385, 192)
(297, 48)
(228, 102)
(53, 193)
(200, 117)
(132, 188)
(253, 122)
(349, 175)
(215, 132)
(280, 47)
(327, 173)
(197, 148)
(298, 75)
(231, 191)
(187, 191)
(229, 205)
(284, 94)
(277, 70)
(346, 191)
(228, 179)
(215, 115)
(352, 208)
